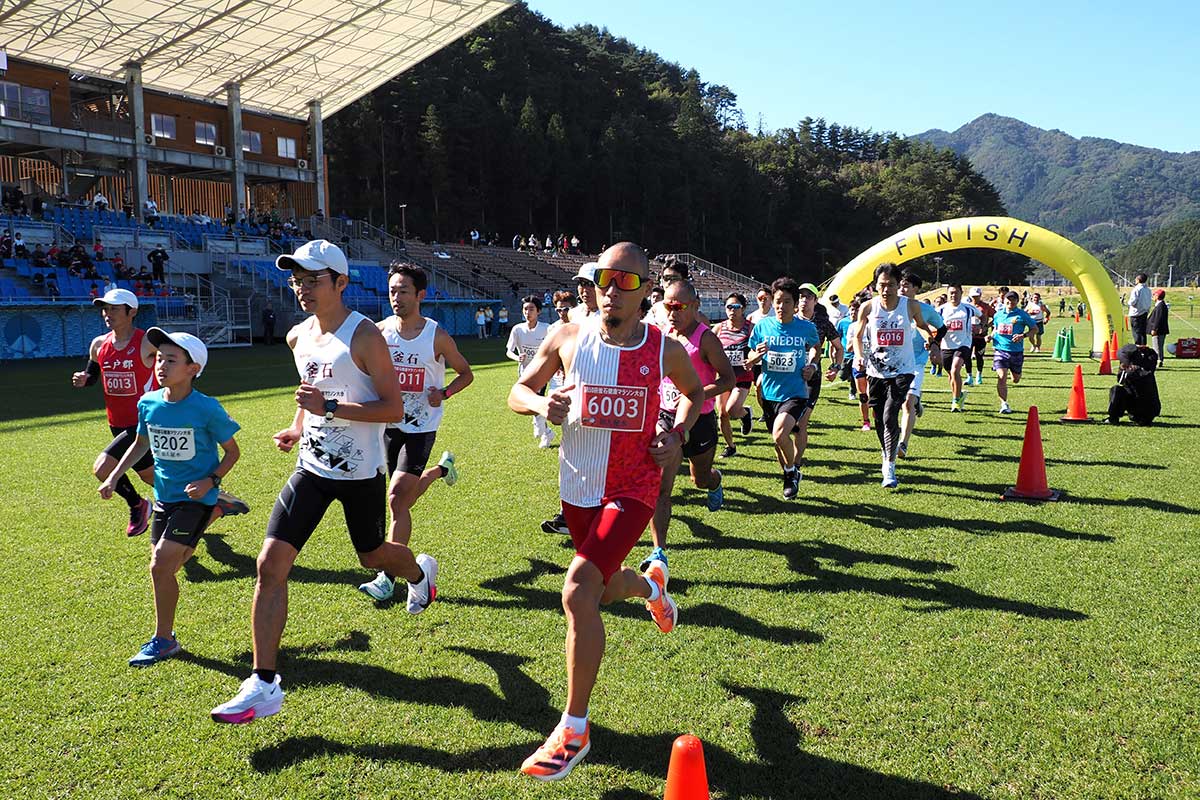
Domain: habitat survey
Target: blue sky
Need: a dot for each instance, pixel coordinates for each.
(1124, 71)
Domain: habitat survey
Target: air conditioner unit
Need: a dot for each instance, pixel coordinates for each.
(219, 150)
(302, 163)
(149, 139)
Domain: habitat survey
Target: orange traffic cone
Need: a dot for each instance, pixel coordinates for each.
(1077, 316)
(1031, 474)
(1077, 403)
(1089, 316)
(1116, 345)
(1105, 362)
(686, 777)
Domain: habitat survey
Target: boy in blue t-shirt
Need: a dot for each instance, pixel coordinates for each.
(1009, 326)
(183, 428)
(781, 344)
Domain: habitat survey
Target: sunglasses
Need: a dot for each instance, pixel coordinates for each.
(625, 281)
(584, 283)
(733, 306)
(671, 305)
(563, 310)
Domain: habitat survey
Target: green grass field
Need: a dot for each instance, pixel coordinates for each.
(925, 642)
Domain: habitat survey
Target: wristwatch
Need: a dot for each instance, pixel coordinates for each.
(331, 406)
(216, 480)
(683, 434)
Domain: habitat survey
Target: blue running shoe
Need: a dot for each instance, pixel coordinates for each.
(716, 497)
(657, 554)
(156, 650)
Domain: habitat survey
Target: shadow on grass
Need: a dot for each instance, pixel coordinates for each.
(780, 768)
(239, 566)
(519, 593)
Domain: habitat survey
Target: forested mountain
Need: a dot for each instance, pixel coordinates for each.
(524, 127)
(1098, 192)
(1177, 244)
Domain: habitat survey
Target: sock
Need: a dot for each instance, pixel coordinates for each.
(577, 724)
(390, 577)
(126, 490)
(445, 472)
(265, 675)
(654, 593)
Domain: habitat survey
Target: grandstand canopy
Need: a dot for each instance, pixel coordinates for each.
(283, 53)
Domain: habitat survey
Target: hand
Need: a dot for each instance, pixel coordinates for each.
(762, 348)
(194, 490)
(831, 374)
(666, 448)
(79, 379)
(1018, 337)
(558, 404)
(859, 363)
(286, 439)
(935, 354)
(310, 399)
(107, 488)
(436, 396)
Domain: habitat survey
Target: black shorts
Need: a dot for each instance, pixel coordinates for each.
(796, 406)
(814, 387)
(122, 439)
(701, 438)
(180, 522)
(305, 497)
(978, 345)
(408, 452)
(962, 352)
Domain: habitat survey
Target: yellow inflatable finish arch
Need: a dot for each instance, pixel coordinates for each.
(997, 233)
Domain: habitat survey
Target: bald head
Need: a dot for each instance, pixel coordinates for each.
(627, 256)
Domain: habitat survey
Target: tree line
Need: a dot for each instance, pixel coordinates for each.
(525, 127)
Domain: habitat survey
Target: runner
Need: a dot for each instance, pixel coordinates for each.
(523, 343)
(856, 379)
(716, 375)
(182, 428)
(923, 352)
(420, 350)
(586, 286)
(563, 303)
(673, 270)
(1011, 325)
(734, 331)
(348, 392)
(765, 309)
(816, 313)
(886, 322)
(781, 343)
(981, 324)
(1040, 313)
(610, 465)
(956, 347)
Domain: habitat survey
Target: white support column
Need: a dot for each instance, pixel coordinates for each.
(137, 112)
(316, 137)
(238, 178)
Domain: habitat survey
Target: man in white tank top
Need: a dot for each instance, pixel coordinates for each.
(348, 392)
(420, 350)
(523, 341)
(610, 465)
(887, 321)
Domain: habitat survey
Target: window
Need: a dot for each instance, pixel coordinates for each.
(24, 103)
(287, 147)
(206, 133)
(251, 142)
(162, 126)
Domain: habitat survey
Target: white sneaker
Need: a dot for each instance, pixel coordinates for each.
(256, 698)
(1005, 409)
(379, 589)
(548, 439)
(420, 595)
(889, 476)
(954, 406)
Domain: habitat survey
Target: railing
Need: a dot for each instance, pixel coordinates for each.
(211, 313)
(34, 232)
(244, 245)
(696, 262)
(135, 237)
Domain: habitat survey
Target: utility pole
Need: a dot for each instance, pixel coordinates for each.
(937, 265)
(403, 222)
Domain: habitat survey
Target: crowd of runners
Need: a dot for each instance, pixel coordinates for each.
(631, 375)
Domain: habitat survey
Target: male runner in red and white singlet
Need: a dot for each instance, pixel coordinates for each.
(610, 467)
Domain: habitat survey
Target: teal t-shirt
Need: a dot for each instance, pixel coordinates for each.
(843, 327)
(920, 354)
(183, 438)
(1006, 324)
(783, 365)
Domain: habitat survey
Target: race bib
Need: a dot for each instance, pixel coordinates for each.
(955, 325)
(172, 444)
(781, 360)
(1005, 328)
(411, 379)
(737, 357)
(614, 408)
(526, 353)
(893, 337)
(670, 394)
(120, 384)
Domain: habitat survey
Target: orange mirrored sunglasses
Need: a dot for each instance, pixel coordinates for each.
(625, 281)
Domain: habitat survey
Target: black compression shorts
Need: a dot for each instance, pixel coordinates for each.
(122, 439)
(408, 452)
(305, 497)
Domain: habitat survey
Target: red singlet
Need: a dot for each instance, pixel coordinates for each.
(124, 378)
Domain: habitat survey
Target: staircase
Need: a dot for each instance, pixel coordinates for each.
(218, 316)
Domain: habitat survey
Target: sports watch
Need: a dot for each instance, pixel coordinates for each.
(216, 480)
(331, 406)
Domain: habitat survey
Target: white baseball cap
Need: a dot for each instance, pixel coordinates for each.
(117, 297)
(315, 256)
(587, 272)
(977, 292)
(191, 345)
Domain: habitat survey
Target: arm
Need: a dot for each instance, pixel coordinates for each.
(147, 352)
(523, 398)
(370, 353)
(665, 447)
(197, 489)
(510, 349)
(139, 448)
(91, 372)
(714, 354)
(856, 335)
(445, 347)
(287, 438)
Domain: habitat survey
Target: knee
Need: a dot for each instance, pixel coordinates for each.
(271, 572)
(578, 598)
(160, 569)
(862, 398)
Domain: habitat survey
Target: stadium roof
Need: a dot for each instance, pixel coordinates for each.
(283, 53)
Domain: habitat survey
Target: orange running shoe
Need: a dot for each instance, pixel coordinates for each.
(555, 759)
(663, 610)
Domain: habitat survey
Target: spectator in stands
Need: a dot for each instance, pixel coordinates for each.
(19, 248)
(100, 202)
(320, 215)
(531, 243)
(98, 250)
(490, 315)
(475, 237)
(6, 244)
(159, 257)
(502, 322)
(143, 274)
(150, 211)
(94, 291)
(76, 268)
(38, 280)
(39, 257)
(549, 244)
(127, 204)
(268, 324)
(518, 244)
(481, 322)
(162, 291)
(89, 272)
(575, 245)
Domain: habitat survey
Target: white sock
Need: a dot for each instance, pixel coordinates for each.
(654, 591)
(577, 724)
